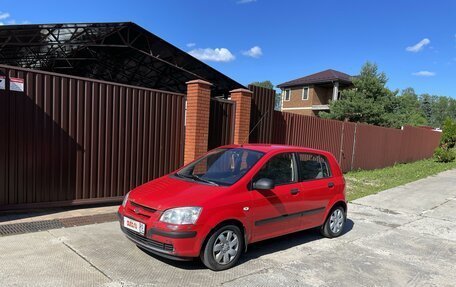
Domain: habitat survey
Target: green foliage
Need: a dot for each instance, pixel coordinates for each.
(407, 110)
(445, 152)
(370, 101)
(448, 140)
(442, 154)
(265, 84)
(437, 108)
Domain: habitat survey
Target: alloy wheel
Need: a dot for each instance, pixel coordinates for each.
(336, 221)
(226, 247)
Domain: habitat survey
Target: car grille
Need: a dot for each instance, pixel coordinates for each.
(148, 209)
(148, 242)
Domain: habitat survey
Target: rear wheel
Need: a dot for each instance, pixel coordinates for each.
(223, 248)
(335, 223)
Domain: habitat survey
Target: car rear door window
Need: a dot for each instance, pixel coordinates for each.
(313, 166)
(280, 168)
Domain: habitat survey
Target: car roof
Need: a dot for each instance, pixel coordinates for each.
(266, 148)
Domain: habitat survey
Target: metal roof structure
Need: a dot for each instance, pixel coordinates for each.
(326, 76)
(119, 52)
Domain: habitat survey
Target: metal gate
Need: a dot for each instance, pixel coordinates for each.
(221, 122)
(68, 140)
(261, 114)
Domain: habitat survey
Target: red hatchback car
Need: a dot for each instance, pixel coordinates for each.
(233, 196)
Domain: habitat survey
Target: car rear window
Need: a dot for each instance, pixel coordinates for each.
(313, 166)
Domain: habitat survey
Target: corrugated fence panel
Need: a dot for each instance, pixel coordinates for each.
(418, 143)
(261, 114)
(221, 122)
(308, 131)
(355, 146)
(376, 147)
(69, 140)
(346, 152)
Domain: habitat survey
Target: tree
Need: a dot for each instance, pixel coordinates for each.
(409, 110)
(445, 152)
(370, 101)
(426, 106)
(448, 139)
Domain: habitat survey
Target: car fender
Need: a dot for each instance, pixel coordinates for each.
(338, 198)
(221, 215)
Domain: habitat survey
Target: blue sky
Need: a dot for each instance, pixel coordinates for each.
(413, 41)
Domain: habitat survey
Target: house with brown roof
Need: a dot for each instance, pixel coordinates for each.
(311, 94)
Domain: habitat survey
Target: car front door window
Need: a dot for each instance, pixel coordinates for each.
(281, 169)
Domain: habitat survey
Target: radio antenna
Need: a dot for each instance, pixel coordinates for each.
(251, 131)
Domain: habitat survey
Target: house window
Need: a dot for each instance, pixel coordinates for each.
(305, 93)
(287, 95)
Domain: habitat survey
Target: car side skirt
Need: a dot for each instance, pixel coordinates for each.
(288, 216)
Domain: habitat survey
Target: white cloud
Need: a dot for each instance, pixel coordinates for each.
(215, 55)
(245, 1)
(424, 74)
(4, 16)
(6, 20)
(418, 46)
(190, 45)
(254, 52)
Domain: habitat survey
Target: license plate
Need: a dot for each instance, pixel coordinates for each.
(134, 225)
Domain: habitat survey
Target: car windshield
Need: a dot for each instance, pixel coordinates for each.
(221, 166)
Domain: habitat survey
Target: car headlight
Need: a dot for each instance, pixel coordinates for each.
(181, 215)
(124, 202)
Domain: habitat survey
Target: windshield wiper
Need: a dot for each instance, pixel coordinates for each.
(196, 178)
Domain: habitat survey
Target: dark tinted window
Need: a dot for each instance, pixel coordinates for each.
(313, 166)
(281, 168)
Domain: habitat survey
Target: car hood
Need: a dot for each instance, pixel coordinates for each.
(169, 191)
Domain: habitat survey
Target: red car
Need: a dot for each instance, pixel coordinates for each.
(233, 196)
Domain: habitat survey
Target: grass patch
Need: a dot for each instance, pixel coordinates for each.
(365, 182)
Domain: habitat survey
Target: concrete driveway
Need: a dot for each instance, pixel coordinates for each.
(404, 236)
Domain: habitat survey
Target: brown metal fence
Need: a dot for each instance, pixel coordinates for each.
(70, 140)
(356, 146)
(221, 122)
(261, 114)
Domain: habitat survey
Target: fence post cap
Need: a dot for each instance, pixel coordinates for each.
(241, 90)
(198, 81)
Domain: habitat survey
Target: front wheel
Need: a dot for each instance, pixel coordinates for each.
(223, 249)
(335, 223)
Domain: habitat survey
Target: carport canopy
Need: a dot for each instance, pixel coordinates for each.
(118, 52)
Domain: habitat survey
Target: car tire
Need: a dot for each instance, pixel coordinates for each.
(335, 223)
(223, 248)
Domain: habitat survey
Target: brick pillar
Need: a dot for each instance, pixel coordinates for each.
(197, 119)
(243, 99)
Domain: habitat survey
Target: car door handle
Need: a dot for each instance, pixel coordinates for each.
(294, 191)
(331, 184)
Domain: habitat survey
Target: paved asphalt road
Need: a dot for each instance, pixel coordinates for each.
(404, 236)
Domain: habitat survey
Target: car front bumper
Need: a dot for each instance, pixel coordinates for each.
(176, 245)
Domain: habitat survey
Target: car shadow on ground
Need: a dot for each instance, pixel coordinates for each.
(261, 248)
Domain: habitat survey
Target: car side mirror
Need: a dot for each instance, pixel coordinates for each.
(264, 184)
